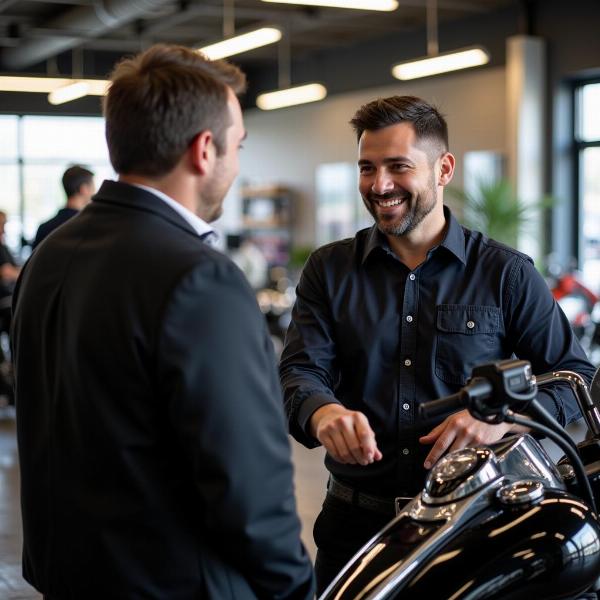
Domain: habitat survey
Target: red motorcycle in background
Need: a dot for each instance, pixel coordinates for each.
(580, 305)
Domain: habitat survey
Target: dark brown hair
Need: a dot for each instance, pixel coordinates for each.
(159, 101)
(74, 177)
(428, 123)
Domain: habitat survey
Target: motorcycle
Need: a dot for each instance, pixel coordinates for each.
(581, 307)
(495, 522)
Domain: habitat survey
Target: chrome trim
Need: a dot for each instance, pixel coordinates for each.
(444, 470)
(521, 492)
(589, 410)
(525, 458)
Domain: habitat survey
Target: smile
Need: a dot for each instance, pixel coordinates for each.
(389, 203)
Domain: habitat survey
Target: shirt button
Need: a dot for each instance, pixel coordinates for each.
(406, 406)
(412, 277)
(405, 451)
(409, 319)
(407, 362)
(470, 324)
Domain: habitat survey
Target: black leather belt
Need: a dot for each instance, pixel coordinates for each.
(345, 493)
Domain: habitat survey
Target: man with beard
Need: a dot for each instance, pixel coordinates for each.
(154, 456)
(399, 315)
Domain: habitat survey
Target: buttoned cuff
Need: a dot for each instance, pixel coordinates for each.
(308, 407)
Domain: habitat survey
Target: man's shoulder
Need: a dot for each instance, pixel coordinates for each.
(480, 245)
(346, 248)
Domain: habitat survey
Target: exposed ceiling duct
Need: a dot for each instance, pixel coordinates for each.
(88, 21)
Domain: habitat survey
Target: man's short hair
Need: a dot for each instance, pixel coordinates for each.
(427, 121)
(159, 101)
(74, 177)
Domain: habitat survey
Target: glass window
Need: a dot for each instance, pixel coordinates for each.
(587, 143)
(72, 139)
(48, 146)
(9, 148)
(589, 122)
(590, 206)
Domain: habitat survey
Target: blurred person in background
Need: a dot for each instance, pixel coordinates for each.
(154, 457)
(78, 183)
(9, 271)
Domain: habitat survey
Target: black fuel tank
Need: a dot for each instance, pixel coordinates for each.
(549, 549)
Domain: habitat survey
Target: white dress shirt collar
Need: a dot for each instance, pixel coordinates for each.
(200, 226)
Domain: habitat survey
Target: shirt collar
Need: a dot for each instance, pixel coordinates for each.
(454, 240)
(200, 226)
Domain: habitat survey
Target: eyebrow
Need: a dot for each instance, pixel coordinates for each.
(388, 160)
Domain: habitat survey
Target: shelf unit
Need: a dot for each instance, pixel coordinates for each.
(267, 221)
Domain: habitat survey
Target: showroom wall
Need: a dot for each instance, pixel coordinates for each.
(286, 146)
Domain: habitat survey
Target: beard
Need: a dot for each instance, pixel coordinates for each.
(419, 206)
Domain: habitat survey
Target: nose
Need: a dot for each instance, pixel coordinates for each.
(382, 183)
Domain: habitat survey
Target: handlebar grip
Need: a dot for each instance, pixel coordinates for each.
(443, 407)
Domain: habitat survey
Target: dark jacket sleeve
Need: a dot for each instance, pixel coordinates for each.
(217, 370)
(540, 332)
(308, 363)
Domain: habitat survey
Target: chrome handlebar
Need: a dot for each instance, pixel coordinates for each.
(589, 410)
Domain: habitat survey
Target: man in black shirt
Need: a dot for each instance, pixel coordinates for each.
(78, 183)
(399, 315)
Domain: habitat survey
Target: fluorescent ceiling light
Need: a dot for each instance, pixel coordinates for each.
(45, 85)
(69, 92)
(311, 92)
(441, 63)
(242, 43)
(386, 5)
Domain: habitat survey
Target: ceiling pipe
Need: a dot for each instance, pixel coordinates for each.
(93, 20)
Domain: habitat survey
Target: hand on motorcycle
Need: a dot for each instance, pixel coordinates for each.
(459, 431)
(345, 434)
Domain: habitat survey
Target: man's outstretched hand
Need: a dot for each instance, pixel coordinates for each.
(345, 434)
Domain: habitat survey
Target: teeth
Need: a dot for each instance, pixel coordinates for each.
(388, 203)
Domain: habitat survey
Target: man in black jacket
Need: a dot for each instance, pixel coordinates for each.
(154, 457)
(78, 183)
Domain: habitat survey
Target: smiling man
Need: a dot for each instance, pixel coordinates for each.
(399, 315)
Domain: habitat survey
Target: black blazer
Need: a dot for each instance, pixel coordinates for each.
(154, 458)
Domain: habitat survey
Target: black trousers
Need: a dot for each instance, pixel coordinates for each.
(340, 531)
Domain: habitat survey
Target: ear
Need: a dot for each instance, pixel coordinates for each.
(201, 152)
(447, 163)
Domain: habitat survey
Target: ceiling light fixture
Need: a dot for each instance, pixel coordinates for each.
(385, 5)
(236, 44)
(287, 95)
(68, 92)
(45, 85)
(442, 63)
(435, 63)
(302, 94)
(242, 43)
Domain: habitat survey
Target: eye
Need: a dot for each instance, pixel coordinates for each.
(365, 169)
(399, 167)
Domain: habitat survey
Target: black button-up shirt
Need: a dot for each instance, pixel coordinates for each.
(379, 338)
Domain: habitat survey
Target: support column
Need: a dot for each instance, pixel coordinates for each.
(526, 138)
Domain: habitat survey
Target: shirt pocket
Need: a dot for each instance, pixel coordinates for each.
(466, 336)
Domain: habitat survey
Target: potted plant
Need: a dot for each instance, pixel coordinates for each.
(494, 209)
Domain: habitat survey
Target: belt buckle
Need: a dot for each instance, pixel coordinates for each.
(400, 502)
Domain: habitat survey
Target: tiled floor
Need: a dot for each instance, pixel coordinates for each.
(310, 488)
